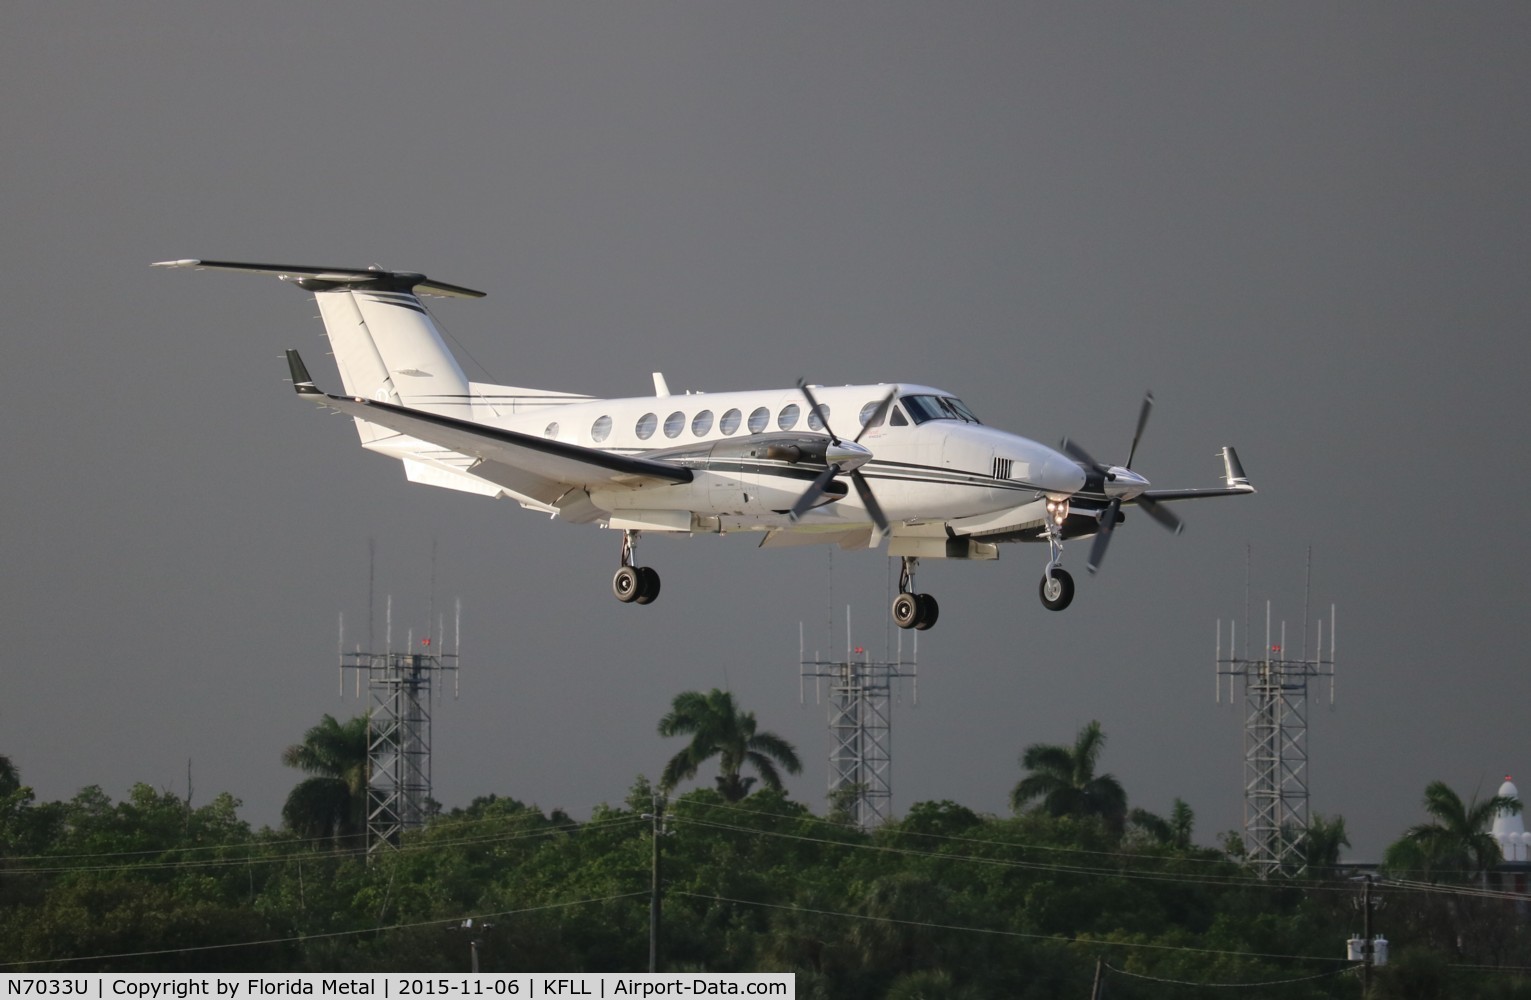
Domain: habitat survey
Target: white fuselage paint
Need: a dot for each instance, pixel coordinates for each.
(935, 471)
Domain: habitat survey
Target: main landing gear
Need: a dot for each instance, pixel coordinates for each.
(1057, 589)
(634, 584)
(911, 610)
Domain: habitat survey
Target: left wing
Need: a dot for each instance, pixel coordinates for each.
(537, 467)
(1236, 483)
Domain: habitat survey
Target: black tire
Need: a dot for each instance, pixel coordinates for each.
(906, 610)
(648, 585)
(627, 584)
(929, 611)
(1057, 589)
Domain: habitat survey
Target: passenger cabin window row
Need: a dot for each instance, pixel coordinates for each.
(920, 409)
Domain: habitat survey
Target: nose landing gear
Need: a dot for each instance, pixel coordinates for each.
(1057, 589)
(634, 584)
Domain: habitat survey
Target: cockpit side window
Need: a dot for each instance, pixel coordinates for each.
(960, 409)
(896, 417)
(923, 408)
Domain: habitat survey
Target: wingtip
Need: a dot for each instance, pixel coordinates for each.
(1233, 470)
(302, 382)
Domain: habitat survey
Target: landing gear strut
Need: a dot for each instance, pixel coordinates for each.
(634, 584)
(911, 610)
(1057, 589)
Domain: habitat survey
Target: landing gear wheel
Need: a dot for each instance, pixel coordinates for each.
(915, 611)
(1057, 589)
(648, 585)
(627, 584)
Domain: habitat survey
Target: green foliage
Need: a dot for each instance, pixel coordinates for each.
(719, 729)
(1456, 843)
(1063, 780)
(333, 803)
(942, 903)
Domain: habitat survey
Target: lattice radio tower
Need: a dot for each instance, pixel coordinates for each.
(399, 689)
(1276, 812)
(861, 692)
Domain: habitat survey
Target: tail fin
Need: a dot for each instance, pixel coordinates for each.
(384, 341)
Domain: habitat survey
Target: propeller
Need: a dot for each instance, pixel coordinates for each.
(1096, 477)
(844, 458)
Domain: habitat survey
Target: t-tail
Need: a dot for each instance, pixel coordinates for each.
(385, 344)
(388, 349)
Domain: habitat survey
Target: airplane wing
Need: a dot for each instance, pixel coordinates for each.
(1236, 484)
(539, 467)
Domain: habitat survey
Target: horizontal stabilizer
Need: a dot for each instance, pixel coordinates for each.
(320, 278)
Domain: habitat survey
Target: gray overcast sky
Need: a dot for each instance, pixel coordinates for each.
(1304, 226)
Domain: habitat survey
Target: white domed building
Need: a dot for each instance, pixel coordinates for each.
(1510, 828)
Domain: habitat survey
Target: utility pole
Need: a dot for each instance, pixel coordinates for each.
(1366, 932)
(1368, 949)
(657, 818)
(474, 940)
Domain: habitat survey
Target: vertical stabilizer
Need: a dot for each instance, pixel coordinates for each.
(384, 341)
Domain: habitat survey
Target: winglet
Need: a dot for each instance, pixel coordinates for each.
(1233, 471)
(301, 380)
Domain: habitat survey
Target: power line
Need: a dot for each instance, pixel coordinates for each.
(1085, 942)
(1234, 986)
(330, 934)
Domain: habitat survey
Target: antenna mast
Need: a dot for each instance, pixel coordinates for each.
(1276, 812)
(861, 692)
(399, 684)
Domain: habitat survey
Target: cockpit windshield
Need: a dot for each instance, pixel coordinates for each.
(923, 408)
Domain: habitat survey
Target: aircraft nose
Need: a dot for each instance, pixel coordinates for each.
(1060, 474)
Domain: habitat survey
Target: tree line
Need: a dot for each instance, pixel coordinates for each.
(1073, 886)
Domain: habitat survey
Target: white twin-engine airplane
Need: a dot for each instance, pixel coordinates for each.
(922, 471)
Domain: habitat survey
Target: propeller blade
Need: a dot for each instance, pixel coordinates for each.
(813, 492)
(1103, 537)
(1160, 513)
(877, 414)
(1148, 404)
(1078, 454)
(813, 407)
(874, 509)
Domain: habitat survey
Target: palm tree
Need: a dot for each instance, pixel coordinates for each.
(1457, 841)
(333, 803)
(1173, 832)
(1064, 780)
(718, 729)
(1321, 844)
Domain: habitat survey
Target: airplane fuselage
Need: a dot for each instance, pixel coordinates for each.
(751, 454)
(853, 465)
